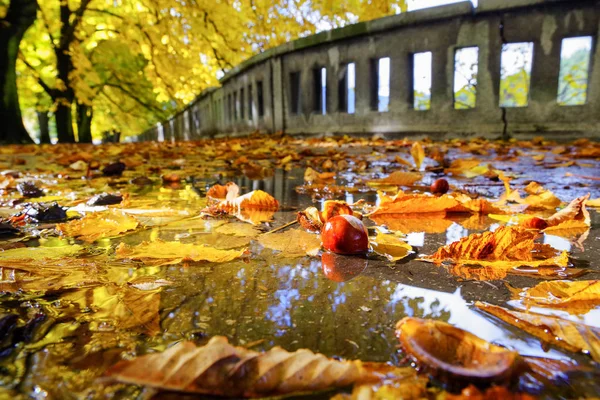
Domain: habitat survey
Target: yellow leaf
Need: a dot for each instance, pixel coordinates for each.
(572, 336)
(163, 253)
(292, 243)
(577, 297)
(239, 372)
(407, 223)
(39, 253)
(98, 225)
(574, 211)
(238, 229)
(390, 246)
(397, 178)
(568, 229)
(418, 154)
(414, 204)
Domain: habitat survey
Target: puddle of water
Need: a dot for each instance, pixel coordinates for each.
(107, 309)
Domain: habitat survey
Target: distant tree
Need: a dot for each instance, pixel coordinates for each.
(16, 17)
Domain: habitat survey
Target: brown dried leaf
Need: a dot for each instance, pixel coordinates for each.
(575, 211)
(163, 253)
(221, 369)
(506, 247)
(456, 356)
(98, 225)
(407, 223)
(572, 336)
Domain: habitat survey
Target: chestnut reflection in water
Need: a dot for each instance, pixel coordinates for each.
(340, 268)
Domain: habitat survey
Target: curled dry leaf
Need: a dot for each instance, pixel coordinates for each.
(572, 336)
(574, 211)
(455, 356)
(254, 207)
(390, 246)
(576, 297)
(292, 243)
(164, 253)
(506, 247)
(218, 368)
(98, 225)
(310, 175)
(397, 178)
(418, 154)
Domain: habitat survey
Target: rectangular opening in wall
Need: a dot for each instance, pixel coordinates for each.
(242, 104)
(260, 99)
(320, 90)
(323, 91)
(383, 84)
(235, 106)
(230, 107)
(351, 88)
(466, 62)
(295, 92)
(574, 70)
(422, 80)
(515, 74)
(251, 111)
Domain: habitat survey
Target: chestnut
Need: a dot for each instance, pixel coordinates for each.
(345, 234)
(440, 186)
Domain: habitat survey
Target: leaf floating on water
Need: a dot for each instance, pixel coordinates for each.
(397, 178)
(164, 253)
(147, 283)
(390, 246)
(492, 393)
(574, 211)
(407, 223)
(572, 336)
(506, 247)
(292, 243)
(98, 225)
(403, 203)
(455, 356)
(220, 369)
(238, 229)
(576, 297)
(39, 253)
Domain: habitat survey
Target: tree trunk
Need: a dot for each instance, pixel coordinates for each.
(84, 123)
(20, 16)
(64, 122)
(43, 121)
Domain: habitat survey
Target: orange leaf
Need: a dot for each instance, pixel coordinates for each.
(572, 336)
(397, 178)
(418, 154)
(576, 297)
(414, 204)
(218, 368)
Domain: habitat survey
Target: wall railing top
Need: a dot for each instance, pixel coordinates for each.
(423, 16)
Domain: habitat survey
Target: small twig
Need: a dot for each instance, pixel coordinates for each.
(282, 227)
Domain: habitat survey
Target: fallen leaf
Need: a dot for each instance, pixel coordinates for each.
(292, 243)
(256, 200)
(39, 253)
(574, 211)
(455, 356)
(506, 247)
(407, 223)
(492, 393)
(221, 369)
(418, 154)
(576, 297)
(569, 335)
(164, 253)
(98, 225)
(390, 246)
(238, 229)
(397, 178)
(403, 203)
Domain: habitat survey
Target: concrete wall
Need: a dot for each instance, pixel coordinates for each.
(440, 30)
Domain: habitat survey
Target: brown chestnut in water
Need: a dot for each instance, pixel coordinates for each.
(345, 234)
(440, 186)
